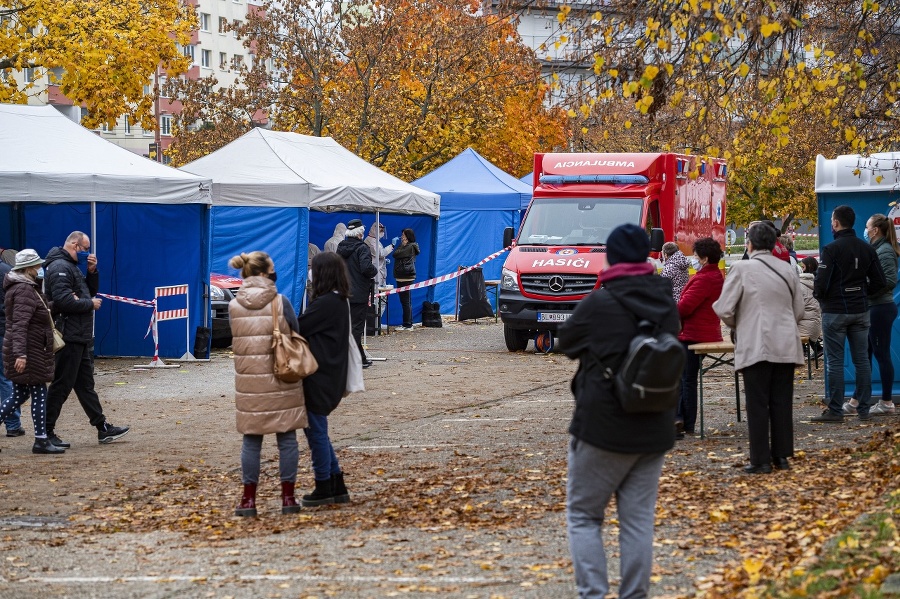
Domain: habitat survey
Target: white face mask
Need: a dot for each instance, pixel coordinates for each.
(695, 262)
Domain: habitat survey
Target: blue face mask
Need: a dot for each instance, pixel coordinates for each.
(866, 235)
(82, 262)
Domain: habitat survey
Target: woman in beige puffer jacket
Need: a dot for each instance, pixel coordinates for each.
(264, 404)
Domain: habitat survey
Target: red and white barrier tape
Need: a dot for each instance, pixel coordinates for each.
(442, 278)
(153, 318)
(129, 300)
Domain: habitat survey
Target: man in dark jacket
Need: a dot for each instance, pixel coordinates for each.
(848, 270)
(612, 452)
(72, 293)
(13, 422)
(356, 254)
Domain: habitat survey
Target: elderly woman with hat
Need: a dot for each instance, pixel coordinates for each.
(28, 346)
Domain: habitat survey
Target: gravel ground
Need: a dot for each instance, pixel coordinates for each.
(454, 456)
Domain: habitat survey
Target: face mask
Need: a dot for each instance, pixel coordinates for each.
(273, 276)
(40, 273)
(695, 262)
(866, 235)
(381, 236)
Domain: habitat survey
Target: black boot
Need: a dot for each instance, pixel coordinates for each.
(340, 490)
(322, 495)
(45, 446)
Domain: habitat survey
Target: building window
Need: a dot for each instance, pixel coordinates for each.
(223, 61)
(223, 24)
(234, 30)
(127, 125)
(204, 21)
(29, 75)
(105, 128)
(189, 52)
(237, 61)
(165, 125)
(56, 75)
(205, 58)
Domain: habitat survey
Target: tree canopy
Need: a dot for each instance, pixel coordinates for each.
(767, 84)
(101, 54)
(405, 85)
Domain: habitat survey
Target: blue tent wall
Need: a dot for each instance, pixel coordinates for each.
(321, 228)
(280, 232)
(478, 201)
(865, 204)
(139, 247)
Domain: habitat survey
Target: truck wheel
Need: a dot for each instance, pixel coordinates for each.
(516, 340)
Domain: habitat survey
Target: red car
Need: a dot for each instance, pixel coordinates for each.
(221, 291)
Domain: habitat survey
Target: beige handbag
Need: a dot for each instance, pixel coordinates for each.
(58, 342)
(294, 360)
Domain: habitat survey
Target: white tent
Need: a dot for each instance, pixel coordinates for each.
(45, 157)
(279, 169)
(148, 223)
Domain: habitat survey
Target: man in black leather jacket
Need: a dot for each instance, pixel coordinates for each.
(72, 293)
(612, 452)
(358, 258)
(848, 270)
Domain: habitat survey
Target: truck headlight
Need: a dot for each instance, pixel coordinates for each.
(216, 294)
(508, 280)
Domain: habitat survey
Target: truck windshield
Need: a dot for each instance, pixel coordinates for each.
(576, 221)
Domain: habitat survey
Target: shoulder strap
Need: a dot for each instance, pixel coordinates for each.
(49, 315)
(780, 276)
(275, 312)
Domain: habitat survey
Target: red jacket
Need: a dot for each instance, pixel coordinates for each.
(699, 323)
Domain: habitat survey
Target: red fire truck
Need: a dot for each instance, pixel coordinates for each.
(578, 200)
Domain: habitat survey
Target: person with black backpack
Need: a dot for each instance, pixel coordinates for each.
(622, 425)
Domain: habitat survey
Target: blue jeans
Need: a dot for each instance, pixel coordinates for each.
(595, 475)
(853, 329)
(324, 460)
(13, 421)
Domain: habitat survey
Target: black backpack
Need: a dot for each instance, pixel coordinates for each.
(649, 378)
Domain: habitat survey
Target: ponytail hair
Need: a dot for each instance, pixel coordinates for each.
(252, 264)
(886, 228)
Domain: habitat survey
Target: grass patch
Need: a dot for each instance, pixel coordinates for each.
(854, 564)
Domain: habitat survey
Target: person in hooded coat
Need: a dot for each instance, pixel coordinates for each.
(612, 452)
(28, 346)
(675, 268)
(359, 264)
(334, 241)
(379, 252)
(264, 404)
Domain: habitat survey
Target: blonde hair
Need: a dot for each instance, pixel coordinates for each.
(252, 264)
(886, 228)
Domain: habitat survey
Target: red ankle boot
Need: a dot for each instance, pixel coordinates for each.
(289, 503)
(247, 507)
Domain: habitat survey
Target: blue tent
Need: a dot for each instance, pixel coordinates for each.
(148, 223)
(871, 191)
(277, 191)
(478, 201)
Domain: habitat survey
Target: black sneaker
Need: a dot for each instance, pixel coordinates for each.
(57, 441)
(16, 432)
(828, 416)
(108, 433)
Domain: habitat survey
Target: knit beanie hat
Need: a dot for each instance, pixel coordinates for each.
(627, 243)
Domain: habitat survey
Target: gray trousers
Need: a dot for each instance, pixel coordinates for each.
(288, 455)
(594, 476)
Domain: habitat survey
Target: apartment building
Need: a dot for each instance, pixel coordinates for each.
(213, 50)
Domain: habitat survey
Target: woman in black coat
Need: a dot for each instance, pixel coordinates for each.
(28, 346)
(326, 325)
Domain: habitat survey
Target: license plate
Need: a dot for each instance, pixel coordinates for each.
(553, 316)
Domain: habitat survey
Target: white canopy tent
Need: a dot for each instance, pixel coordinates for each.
(45, 157)
(280, 169)
(148, 223)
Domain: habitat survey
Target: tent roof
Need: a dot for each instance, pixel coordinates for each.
(45, 157)
(277, 168)
(470, 182)
(855, 173)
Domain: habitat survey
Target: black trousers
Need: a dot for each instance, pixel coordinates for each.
(358, 325)
(74, 370)
(769, 389)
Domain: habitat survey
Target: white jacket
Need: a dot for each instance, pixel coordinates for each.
(763, 306)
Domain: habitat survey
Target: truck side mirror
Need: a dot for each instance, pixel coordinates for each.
(657, 239)
(508, 233)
